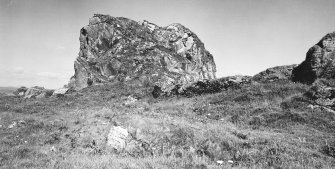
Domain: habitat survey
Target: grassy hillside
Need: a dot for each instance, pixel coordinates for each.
(259, 125)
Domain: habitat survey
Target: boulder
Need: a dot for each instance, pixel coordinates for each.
(123, 141)
(319, 62)
(60, 92)
(275, 73)
(117, 138)
(20, 91)
(140, 53)
(33, 92)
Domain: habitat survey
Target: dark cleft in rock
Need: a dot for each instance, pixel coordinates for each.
(319, 62)
(114, 49)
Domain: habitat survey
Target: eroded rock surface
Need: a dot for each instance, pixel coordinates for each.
(319, 62)
(142, 53)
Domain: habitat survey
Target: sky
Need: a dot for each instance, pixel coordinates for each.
(40, 38)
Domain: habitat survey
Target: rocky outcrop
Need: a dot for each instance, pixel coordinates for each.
(119, 49)
(275, 73)
(20, 91)
(33, 92)
(205, 87)
(215, 86)
(319, 62)
(60, 92)
(322, 93)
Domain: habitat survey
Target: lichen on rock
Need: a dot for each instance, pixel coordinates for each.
(119, 49)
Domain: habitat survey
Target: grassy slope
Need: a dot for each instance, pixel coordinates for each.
(256, 126)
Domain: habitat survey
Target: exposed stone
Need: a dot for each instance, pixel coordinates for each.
(206, 87)
(20, 91)
(237, 79)
(275, 73)
(319, 62)
(40, 96)
(117, 137)
(12, 125)
(130, 100)
(60, 92)
(33, 92)
(141, 53)
(322, 93)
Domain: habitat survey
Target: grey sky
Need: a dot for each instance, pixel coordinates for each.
(39, 38)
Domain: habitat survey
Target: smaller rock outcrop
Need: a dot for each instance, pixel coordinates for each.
(205, 87)
(275, 73)
(33, 92)
(60, 92)
(322, 93)
(20, 91)
(319, 62)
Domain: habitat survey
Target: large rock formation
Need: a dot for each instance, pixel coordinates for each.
(319, 62)
(141, 53)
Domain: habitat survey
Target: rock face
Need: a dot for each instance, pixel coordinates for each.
(142, 53)
(275, 73)
(319, 62)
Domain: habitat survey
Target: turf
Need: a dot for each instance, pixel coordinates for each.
(258, 125)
